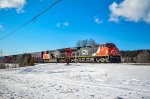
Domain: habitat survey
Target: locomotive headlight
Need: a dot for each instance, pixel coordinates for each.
(113, 52)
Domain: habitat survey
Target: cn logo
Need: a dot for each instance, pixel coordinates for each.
(84, 52)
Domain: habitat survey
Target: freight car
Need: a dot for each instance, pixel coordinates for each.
(107, 52)
(37, 56)
(11, 58)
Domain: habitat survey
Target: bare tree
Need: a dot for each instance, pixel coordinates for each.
(91, 42)
(78, 44)
(86, 42)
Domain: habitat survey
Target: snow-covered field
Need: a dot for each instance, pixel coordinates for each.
(77, 81)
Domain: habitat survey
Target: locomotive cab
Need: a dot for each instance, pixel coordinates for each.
(108, 53)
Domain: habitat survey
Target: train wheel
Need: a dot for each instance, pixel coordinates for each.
(102, 60)
(95, 60)
(107, 60)
(98, 60)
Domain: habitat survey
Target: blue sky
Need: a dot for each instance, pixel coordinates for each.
(115, 21)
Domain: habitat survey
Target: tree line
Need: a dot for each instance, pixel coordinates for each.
(85, 43)
(136, 56)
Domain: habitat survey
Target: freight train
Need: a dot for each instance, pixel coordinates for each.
(102, 53)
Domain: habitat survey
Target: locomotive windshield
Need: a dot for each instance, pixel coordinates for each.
(110, 45)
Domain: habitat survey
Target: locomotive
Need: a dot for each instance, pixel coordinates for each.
(102, 53)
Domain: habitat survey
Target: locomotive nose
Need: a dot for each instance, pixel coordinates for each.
(114, 52)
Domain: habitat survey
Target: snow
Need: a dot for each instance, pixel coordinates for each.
(78, 80)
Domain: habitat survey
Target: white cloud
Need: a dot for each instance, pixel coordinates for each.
(1, 27)
(66, 24)
(130, 10)
(61, 25)
(16, 4)
(20, 10)
(97, 20)
(58, 25)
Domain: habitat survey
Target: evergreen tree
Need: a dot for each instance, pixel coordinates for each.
(26, 60)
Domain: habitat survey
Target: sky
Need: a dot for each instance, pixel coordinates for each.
(125, 23)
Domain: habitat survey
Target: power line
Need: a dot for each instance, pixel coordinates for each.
(33, 19)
